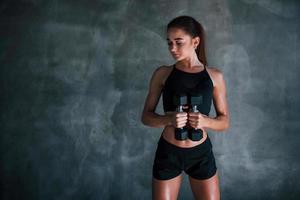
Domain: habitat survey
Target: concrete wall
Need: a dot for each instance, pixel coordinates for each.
(75, 74)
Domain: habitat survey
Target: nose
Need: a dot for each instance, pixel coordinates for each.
(172, 48)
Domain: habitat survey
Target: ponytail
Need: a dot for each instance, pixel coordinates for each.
(200, 50)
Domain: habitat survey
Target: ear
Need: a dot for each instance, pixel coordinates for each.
(196, 41)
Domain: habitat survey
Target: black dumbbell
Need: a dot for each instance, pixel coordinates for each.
(179, 102)
(195, 134)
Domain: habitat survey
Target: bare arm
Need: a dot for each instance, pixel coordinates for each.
(222, 121)
(149, 116)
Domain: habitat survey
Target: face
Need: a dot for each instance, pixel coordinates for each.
(181, 45)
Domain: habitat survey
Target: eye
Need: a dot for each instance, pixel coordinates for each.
(177, 43)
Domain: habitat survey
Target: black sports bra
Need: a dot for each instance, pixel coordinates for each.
(190, 84)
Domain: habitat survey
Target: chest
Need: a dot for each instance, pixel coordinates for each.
(193, 84)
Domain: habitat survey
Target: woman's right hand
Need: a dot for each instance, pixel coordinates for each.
(178, 119)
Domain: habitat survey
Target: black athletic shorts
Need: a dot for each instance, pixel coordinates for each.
(198, 161)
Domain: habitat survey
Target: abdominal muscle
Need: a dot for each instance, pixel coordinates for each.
(169, 135)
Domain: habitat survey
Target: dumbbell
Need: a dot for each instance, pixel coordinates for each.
(195, 134)
(179, 102)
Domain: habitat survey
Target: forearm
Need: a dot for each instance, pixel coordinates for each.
(153, 119)
(219, 123)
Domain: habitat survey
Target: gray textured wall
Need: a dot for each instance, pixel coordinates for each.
(74, 77)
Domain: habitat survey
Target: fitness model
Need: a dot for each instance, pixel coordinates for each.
(188, 88)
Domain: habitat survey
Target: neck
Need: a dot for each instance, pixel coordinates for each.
(190, 62)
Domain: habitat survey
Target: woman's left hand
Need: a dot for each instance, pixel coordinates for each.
(197, 120)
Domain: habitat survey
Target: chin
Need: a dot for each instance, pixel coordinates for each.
(178, 58)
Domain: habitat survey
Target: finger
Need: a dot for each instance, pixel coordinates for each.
(182, 118)
(181, 124)
(192, 123)
(193, 115)
(181, 114)
(181, 121)
(192, 119)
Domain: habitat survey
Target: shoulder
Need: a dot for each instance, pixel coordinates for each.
(215, 74)
(162, 69)
(161, 73)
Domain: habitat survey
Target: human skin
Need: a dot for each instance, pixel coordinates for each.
(182, 48)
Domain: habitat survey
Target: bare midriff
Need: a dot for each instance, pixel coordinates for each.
(169, 135)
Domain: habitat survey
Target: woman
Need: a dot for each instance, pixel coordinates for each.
(189, 74)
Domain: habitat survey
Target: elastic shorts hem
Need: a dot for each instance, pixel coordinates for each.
(204, 177)
(167, 177)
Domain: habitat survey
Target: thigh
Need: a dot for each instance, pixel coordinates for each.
(206, 189)
(166, 189)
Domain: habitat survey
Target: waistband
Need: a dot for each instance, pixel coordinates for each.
(204, 145)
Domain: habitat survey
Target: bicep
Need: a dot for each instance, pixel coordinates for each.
(220, 95)
(155, 88)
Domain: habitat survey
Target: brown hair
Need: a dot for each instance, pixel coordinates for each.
(194, 29)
